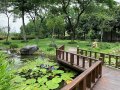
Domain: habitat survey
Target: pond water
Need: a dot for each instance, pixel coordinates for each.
(35, 72)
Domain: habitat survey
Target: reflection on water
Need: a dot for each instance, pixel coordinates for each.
(20, 60)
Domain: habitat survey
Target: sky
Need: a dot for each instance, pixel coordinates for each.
(15, 26)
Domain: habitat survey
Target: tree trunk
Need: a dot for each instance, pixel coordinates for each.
(23, 31)
(8, 29)
(36, 33)
(101, 35)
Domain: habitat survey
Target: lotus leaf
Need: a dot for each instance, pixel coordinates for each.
(43, 71)
(18, 79)
(57, 80)
(65, 76)
(43, 88)
(30, 81)
(29, 88)
(41, 81)
(57, 72)
(52, 85)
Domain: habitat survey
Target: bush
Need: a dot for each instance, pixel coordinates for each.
(105, 46)
(72, 42)
(6, 43)
(53, 45)
(50, 49)
(5, 74)
(13, 46)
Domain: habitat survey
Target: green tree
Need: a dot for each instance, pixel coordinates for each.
(5, 7)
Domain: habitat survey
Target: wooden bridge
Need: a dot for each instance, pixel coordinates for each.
(94, 76)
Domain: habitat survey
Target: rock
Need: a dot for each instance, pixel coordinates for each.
(28, 50)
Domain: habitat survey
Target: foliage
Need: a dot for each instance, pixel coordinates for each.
(42, 73)
(5, 74)
(13, 46)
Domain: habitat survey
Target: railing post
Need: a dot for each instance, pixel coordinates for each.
(71, 58)
(81, 52)
(66, 56)
(62, 55)
(83, 85)
(83, 62)
(78, 50)
(90, 53)
(103, 57)
(95, 55)
(89, 79)
(90, 62)
(116, 66)
(109, 59)
(93, 76)
(85, 52)
(100, 67)
(78, 60)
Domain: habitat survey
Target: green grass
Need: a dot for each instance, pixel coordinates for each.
(44, 45)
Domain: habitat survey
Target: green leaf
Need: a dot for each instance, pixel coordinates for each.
(52, 85)
(57, 80)
(30, 81)
(18, 79)
(57, 71)
(41, 81)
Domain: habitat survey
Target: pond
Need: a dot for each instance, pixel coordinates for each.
(35, 72)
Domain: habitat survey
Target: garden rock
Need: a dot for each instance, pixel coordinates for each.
(28, 50)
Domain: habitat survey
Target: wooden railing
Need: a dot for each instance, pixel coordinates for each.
(108, 59)
(92, 69)
(87, 79)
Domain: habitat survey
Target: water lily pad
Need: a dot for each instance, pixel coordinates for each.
(52, 85)
(30, 81)
(57, 71)
(57, 80)
(43, 71)
(18, 79)
(43, 88)
(65, 76)
(42, 80)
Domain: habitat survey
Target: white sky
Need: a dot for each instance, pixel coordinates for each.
(15, 27)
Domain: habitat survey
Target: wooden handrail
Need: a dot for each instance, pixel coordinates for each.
(107, 58)
(90, 75)
(81, 80)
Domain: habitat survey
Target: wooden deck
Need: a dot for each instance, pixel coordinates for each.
(110, 79)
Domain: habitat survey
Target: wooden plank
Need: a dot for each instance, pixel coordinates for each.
(116, 62)
(78, 60)
(67, 56)
(83, 62)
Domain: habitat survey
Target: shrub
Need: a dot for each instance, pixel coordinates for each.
(6, 43)
(53, 45)
(50, 49)
(72, 42)
(5, 74)
(13, 46)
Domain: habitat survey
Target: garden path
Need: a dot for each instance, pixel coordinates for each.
(110, 79)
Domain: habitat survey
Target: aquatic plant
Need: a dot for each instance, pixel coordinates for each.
(42, 75)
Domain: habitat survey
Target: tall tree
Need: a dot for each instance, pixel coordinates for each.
(20, 8)
(5, 7)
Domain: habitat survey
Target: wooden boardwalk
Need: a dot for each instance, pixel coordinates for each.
(110, 79)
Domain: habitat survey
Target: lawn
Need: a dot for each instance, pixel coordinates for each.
(43, 44)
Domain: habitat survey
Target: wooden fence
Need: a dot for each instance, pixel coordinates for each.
(108, 59)
(92, 69)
